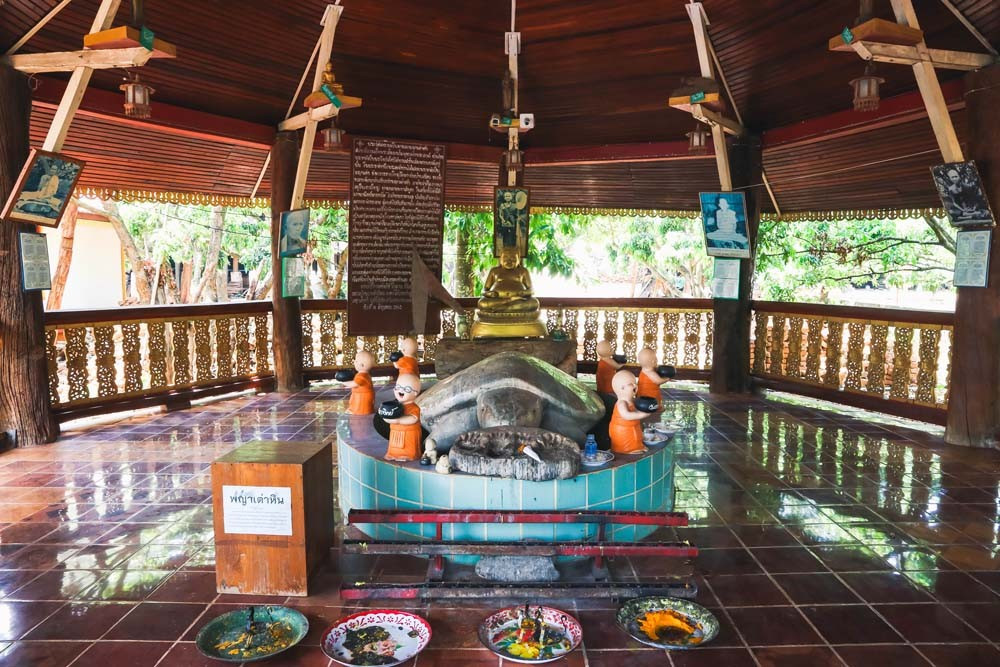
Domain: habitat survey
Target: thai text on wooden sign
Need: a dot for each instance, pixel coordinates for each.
(257, 510)
(397, 206)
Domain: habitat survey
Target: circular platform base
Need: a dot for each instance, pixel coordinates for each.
(641, 483)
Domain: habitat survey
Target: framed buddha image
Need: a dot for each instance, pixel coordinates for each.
(724, 219)
(511, 210)
(43, 189)
(961, 191)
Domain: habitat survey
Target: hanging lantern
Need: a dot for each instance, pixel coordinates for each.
(698, 140)
(137, 96)
(866, 97)
(333, 138)
(513, 159)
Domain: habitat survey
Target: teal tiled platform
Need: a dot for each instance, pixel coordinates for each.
(367, 481)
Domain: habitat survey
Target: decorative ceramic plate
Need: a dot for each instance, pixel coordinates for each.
(668, 623)
(601, 458)
(530, 634)
(653, 438)
(666, 428)
(250, 634)
(377, 637)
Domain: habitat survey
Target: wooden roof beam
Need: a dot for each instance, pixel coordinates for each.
(900, 54)
(67, 61)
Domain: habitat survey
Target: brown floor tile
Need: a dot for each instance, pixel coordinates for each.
(815, 589)
(765, 536)
(746, 590)
(797, 656)
(210, 612)
(112, 653)
(850, 624)
(156, 621)
(80, 620)
(927, 623)
(20, 617)
(299, 656)
(773, 626)
(11, 580)
(58, 585)
(186, 587)
(885, 587)
(961, 655)
(704, 657)
(187, 655)
(983, 617)
(880, 656)
(785, 560)
(38, 557)
(126, 585)
(855, 558)
(41, 654)
(726, 561)
(953, 587)
(476, 657)
(635, 658)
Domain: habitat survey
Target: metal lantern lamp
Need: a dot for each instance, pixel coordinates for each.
(333, 138)
(514, 159)
(866, 96)
(137, 96)
(698, 140)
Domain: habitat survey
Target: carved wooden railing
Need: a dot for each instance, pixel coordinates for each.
(127, 357)
(893, 360)
(680, 330)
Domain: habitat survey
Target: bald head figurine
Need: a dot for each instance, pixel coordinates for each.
(625, 429)
(362, 390)
(364, 361)
(623, 384)
(649, 379)
(404, 431)
(607, 363)
(407, 388)
(407, 364)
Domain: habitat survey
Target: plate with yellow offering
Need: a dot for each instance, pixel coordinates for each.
(668, 623)
(250, 634)
(530, 634)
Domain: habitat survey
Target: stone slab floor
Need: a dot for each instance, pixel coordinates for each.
(828, 537)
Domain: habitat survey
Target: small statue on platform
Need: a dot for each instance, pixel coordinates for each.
(443, 466)
(430, 456)
(652, 376)
(403, 417)
(607, 365)
(362, 390)
(507, 307)
(405, 358)
(625, 429)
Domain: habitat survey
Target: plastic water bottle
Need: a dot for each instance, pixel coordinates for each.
(590, 448)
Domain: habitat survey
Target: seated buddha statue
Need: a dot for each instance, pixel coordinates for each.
(507, 308)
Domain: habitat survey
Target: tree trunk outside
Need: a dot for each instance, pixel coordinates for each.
(68, 230)
(140, 277)
(25, 410)
(465, 281)
(187, 271)
(338, 279)
(218, 220)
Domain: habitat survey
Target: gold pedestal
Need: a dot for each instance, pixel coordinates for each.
(507, 325)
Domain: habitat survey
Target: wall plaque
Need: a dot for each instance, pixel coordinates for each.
(397, 206)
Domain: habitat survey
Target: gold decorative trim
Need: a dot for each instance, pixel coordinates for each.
(202, 199)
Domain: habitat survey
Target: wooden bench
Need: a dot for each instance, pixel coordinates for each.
(598, 549)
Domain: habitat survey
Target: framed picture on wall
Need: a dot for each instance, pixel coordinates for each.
(724, 218)
(35, 272)
(294, 232)
(43, 189)
(511, 211)
(961, 191)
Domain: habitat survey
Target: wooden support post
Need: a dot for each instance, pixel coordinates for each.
(287, 335)
(974, 389)
(25, 412)
(731, 321)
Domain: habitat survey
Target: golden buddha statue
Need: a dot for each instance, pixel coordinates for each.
(507, 308)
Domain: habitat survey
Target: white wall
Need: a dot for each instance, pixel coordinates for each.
(96, 274)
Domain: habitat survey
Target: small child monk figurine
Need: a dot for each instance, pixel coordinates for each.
(649, 379)
(607, 366)
(408, 364)
(362, 391)
(404, 431)
(625, 430)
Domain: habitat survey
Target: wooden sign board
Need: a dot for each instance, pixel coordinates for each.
(397, 206)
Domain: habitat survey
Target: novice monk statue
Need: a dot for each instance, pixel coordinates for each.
(625, 430)
(607, 365)
(362, 391)
(650, 378)
(404, 430)
(405, 359)
(507, 307)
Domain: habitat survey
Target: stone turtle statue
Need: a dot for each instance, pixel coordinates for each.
(509, 389)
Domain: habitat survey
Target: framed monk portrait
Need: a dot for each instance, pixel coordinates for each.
(511, 210)
(43, 189)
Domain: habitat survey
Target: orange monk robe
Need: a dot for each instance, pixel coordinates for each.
(408, 366)
(605, 372)
(625, 434)
(647, 387)
(404, 439)
(363, 396)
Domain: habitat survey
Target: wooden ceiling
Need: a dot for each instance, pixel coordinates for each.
(592, 72)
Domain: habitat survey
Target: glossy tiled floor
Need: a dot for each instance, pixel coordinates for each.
(828, 538)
